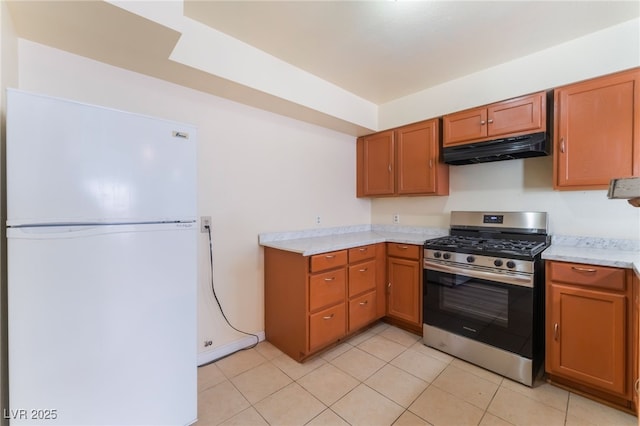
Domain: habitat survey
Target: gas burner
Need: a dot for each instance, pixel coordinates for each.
(495, 247)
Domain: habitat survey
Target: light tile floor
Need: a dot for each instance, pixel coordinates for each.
(384, 376)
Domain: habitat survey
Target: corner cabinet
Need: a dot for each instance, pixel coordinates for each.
(589, 341)
(597, 131)
(402, 161)
(404, 285)
(312, 302)
(513, 117)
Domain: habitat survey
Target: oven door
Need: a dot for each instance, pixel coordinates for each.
(481, 306)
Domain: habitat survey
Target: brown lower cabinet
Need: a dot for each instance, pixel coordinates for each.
(591, 338)
(404, 285)
(312, 302)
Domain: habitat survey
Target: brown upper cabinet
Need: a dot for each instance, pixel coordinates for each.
(597, 134)
(513, 117)
(402, 161)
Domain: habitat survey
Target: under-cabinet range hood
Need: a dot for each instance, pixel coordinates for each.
(625, 188)
(532, 145)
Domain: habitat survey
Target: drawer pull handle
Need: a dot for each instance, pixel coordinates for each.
(328, 317)
(330, 279)
(562, 149)
(330, 256)
(366, 302)
(636, 386)
(364, 249)
(363, 270)
(577, 268)
(555, 331)
(403, 247)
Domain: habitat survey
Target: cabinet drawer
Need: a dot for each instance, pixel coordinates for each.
(327, 289)
(327, 326)
(409, 251)
(361, 253)
(587, 275)
(320, 262)
(362, 310)
(362, 277)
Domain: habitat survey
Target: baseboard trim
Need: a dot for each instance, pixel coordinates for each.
(225, 350)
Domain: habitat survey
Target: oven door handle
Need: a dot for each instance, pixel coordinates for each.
(519, 280)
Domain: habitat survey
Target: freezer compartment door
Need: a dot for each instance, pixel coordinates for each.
(102, 324)
(69, 162)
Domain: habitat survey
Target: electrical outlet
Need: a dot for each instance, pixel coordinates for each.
(396, 218)
(204, 222)
(317, 220)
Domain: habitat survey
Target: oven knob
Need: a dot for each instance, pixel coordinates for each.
(437, 255)
(511, 264)
(470, 259)
(446, 256)
(497, 262)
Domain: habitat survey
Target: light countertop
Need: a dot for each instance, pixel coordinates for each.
(596, 251)
(324, 240)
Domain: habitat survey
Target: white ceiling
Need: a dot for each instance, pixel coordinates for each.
(384, 50)
(376, 50)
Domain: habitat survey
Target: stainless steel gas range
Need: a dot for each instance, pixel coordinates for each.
(484, 291)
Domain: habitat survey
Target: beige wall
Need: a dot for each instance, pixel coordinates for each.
(520, 184)
(257, 172)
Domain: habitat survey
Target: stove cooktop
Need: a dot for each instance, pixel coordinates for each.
(517, 248)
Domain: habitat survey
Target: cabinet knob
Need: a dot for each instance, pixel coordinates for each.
(482, 122)
(490, 120)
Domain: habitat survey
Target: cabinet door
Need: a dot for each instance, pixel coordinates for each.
(362, 311)
(327, 288)
(586, 337)
(376, 164)
(635, 341)
(417, 147)
(526, 114)
(327, 326)
(465, 126)
(404, 289)
(362, 277)
(597, 134)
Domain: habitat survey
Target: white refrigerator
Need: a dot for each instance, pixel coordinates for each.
(101, 229)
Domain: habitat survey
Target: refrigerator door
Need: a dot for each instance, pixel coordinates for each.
(71, 163)
(102, 325)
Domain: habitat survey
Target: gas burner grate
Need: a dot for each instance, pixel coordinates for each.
(487, 246)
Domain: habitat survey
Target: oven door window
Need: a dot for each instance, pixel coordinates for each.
(491, 312)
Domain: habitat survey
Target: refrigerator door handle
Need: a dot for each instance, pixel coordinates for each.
(83, 231)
